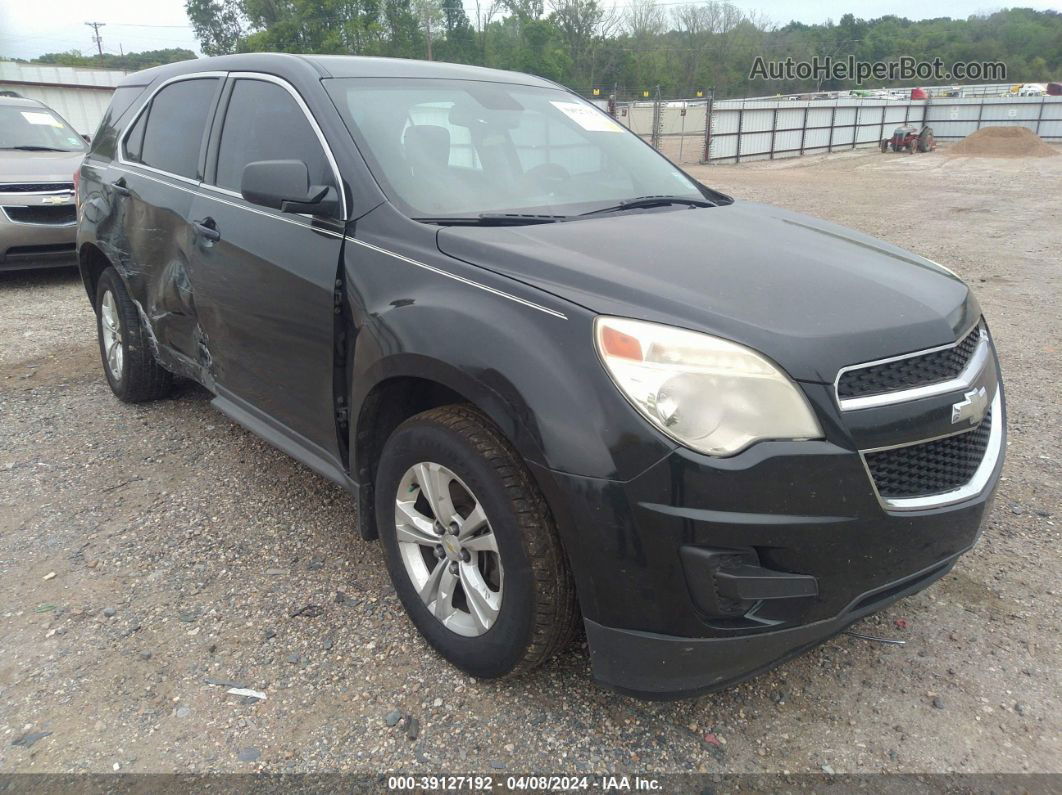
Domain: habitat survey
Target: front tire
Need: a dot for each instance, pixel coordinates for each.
(471, 545)
(128, 361)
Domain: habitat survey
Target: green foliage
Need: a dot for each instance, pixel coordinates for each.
(634, 46)
(130, 62)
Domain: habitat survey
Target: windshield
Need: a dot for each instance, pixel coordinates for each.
(456, 148)
(36, 129)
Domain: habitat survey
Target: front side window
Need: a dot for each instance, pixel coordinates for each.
(264, 122)
(34, 128)
(173, 129)
(462, 148)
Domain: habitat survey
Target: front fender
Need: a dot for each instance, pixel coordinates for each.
(532, 369)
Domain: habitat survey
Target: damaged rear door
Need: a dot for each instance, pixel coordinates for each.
(151, 191)
(265, 280)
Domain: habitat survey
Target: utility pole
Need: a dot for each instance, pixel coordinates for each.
(97, 37)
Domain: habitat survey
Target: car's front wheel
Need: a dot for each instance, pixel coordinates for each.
(128, 361)
(471, 546)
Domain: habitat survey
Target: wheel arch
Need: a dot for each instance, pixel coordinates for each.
(92, 262)
(404, 386)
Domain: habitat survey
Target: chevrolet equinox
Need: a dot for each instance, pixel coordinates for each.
(565, 383)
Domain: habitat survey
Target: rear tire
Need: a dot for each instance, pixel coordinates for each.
(128, 360)
(528, 611)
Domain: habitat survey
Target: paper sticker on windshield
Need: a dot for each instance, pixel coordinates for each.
(41, 118)
(587, 117)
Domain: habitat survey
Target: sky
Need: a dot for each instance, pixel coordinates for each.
(31, 27)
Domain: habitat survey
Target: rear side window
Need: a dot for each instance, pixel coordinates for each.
(172, 127)
(264, 122)
(134, 142)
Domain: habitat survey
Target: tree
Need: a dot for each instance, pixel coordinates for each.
(217, 24)
(583, 25)
(402, 29)
(429, 15)
(129, 62)
(587, 43)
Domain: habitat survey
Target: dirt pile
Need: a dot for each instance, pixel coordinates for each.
(1003, 142)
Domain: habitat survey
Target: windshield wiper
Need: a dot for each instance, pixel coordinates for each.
(494, 219)
(642, 202)
(31, 148)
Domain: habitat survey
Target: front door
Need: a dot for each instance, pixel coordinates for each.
(265, 280)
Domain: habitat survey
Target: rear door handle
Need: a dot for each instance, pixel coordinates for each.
(207, 229)
(119, 187)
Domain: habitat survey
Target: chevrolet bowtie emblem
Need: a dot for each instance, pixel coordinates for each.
(972, 406)
(62, 199)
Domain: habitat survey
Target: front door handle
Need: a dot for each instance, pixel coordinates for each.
(119, 187)
(207, 229)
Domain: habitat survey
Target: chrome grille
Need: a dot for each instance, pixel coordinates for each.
(909, 372)
(934, 467)
(36, 187)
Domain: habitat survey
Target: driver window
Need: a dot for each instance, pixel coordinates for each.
(264, 122)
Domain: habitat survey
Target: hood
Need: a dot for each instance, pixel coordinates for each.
(812, 295)
(17, 166)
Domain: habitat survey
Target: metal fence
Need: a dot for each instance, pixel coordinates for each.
(732, 131)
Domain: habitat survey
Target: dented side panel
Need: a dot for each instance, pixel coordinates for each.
(147, 237)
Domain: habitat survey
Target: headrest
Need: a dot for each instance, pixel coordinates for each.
(427, 144)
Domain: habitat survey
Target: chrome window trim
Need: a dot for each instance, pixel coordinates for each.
(241, 76)
(11, 220)
(309, 117)
(140, 112)
(972, 488)
(457, 278)
(963, 380)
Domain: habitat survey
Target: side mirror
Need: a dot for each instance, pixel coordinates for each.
(285, 185)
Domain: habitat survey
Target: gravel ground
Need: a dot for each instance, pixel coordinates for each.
(151, 555)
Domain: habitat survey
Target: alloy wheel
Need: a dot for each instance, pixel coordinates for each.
(448, 548)
(111, 328)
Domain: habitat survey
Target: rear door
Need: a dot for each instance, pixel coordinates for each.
(265, 280)
(159, 164)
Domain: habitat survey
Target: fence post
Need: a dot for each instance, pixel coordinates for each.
(774, 128)
(741, 119)
(833, 120)
(1040, 115)
(804, 129)
(855, 124)
(708, 127)
(654, 138)
(881, 132)
(980, 111)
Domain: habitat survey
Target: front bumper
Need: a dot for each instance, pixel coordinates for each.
(35, 245)
(658, 621)
(653, 666)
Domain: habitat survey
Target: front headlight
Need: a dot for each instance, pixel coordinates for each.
(709, 394)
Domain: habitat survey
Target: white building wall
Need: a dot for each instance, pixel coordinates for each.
(78, 95)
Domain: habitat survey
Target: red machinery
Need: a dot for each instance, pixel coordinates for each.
(909, 138)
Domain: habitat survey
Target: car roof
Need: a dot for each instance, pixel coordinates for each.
(21, 102)
(324, 66)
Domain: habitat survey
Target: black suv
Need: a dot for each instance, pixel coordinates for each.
(564, 381)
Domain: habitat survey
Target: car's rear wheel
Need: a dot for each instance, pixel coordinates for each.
(128, 361)
(471, 546)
